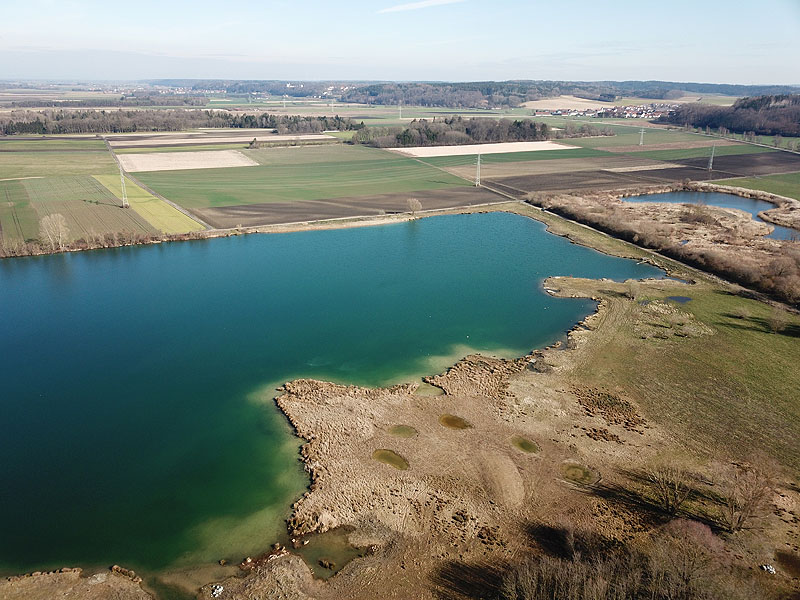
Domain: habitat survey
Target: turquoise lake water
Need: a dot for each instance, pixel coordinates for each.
(723, 201)
(136, 383)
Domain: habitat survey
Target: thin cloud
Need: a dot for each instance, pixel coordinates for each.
(417, 5)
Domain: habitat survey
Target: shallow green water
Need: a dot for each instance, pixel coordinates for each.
(525, 444)
(454, 422)
(403, 431)
(391, 458)
(136, 383)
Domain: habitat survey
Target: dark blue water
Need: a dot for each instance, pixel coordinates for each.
(136, 383)
(723, 201)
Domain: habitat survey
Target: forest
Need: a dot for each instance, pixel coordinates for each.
(761, 115)
(512, 93)
(45, 122)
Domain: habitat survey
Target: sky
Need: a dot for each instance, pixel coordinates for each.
(715, 41)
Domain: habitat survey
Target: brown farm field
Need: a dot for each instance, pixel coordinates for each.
(746, 165)
(567, 165)
(338, 208)
(598, 180)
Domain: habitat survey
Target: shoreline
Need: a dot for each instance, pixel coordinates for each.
(780, 202)
(449, 362)
(579, 331)
(348, 491)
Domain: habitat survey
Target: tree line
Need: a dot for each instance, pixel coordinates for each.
(488, 94)
(122, 101)
(761, 115)
(454, 131)
(125, 121)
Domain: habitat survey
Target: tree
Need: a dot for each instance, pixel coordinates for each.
(53, 231)
(414, 205)
(746, 492)
(683, 558)
(670, 485)
(777, 320)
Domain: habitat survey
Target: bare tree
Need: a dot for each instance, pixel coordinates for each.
(747, 491)
(414, 205)
(671, 486)
(53, 231)
(777, 320)
(683, 558)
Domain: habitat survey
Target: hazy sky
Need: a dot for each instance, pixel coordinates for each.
(722, 41)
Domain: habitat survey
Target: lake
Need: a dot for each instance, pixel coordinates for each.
(723, 201)
(137, 383)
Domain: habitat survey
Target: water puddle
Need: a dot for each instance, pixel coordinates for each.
(525, 444)
(426, 389)
(454, 422)
(403, 431)
(391, 458)
(679, 299)
(327, 553)
(577, 473)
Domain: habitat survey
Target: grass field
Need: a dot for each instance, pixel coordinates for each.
(306, 155)
(87, 205)
(155, 211)
(294, 177)
(739, 383)
(787, 184)
(51, 164)
(342, 135)
(732, 394)
(630, 137)
(50, 144)
(701, 152)
(18, 218)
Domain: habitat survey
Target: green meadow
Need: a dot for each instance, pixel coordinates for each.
(297, 174)
(786, 184)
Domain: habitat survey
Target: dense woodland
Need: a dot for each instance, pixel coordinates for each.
(513, 93)
(761, 115)
(43, 122)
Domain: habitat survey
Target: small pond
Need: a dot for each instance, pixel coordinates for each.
(723, 201)
(327, 553)
(454, 422)
(524, 444)
(391, 458)
(404, 431)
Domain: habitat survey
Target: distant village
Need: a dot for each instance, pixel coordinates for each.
(634, 111)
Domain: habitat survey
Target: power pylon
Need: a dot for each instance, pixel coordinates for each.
(125, 203)
(711, 158)
(478, 173)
